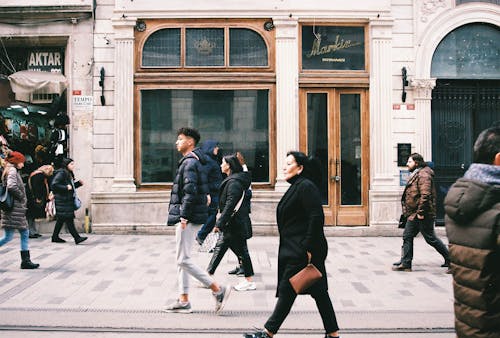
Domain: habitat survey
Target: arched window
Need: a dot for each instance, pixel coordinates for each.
(468, 52)
(205, 47)
(163, 49)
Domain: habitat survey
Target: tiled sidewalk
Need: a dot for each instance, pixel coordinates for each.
(125, 280)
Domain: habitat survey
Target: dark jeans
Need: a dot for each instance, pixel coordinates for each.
(426, 227)
(209, 224)
(284, 304)
(70, 224)
(238, 245)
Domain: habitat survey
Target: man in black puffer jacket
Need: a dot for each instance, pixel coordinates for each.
(187, 211)
(472, 208)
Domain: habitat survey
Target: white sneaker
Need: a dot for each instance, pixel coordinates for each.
(245, 286)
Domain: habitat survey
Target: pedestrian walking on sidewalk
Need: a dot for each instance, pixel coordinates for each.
(15, 219)
(187, 211)
(300, 221)
(419, 208)
(64, 189)
(472, 221)
(234, 219)
(38, 194)
(214, 176)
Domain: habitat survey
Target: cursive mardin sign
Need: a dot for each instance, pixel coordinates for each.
(333, 48)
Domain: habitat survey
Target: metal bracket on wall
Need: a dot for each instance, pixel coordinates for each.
(405, 83)
(101, 84)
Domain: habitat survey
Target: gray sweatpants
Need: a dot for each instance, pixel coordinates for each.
(184, 241)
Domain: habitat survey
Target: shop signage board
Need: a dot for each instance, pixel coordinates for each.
(46, 61)
(333, 47)
(82, 102)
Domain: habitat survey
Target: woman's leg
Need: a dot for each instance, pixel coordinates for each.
(57, 228)
(219, 252)
(326, 311)
(70, 223)
(25, 234)
(7, 236)
(240, 248)
(283, 306)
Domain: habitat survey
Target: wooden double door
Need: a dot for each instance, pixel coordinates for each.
(334, 128)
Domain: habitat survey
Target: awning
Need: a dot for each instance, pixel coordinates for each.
(29, 81)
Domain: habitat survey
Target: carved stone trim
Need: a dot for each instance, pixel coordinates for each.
(429, 7)
(423, 88)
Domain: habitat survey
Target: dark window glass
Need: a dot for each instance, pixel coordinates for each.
(247, 48)
(205, 47)
(163, 49)
(333, 48)
(469, 52)
(157, 145)
(228, 116)
(496, 2)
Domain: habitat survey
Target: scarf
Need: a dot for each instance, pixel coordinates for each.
(486, 173)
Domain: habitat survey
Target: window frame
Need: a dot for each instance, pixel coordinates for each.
(154, 25)
(137, 130)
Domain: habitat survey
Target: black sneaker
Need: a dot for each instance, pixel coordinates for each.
(58, 240)
(234, 271)
(80, 239)
(446, 264)
(401, 267)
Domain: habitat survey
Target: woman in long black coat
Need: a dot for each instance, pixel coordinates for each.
(63, 186)
(300, 223)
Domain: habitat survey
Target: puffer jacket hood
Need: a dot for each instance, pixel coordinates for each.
(200, 154)
(244, 177)
(208, 147)
(467, 199)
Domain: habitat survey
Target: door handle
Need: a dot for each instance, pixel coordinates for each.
(335, 177)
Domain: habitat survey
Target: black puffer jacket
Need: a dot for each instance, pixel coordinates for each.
(232, 189)
(189, 191)
(64, 198)
(473, 226)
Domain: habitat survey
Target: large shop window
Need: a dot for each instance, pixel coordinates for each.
(238, 119)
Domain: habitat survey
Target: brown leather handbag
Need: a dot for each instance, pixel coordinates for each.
(305, 278)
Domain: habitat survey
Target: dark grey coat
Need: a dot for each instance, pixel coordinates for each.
(64, 198)
(15, 218)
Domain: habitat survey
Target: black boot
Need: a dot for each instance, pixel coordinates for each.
(26, 262)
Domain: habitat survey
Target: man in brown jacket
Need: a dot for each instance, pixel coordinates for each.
(472, 220)
(419, 207)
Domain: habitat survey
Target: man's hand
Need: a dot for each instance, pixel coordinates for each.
(420, 216)
(184, 223)
(209, 200)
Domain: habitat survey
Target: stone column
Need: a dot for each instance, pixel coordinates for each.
(287, 98)
(124, 103)
(382, 149)
(422, 96)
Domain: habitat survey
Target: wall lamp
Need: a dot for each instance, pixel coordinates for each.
(405, 83)
(101, 84)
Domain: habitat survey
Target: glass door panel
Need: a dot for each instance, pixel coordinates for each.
(317, 136)
(350, 149)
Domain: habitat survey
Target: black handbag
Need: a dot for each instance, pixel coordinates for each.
(6, 199)
(402, 221)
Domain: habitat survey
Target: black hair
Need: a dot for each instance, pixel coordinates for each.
(487, 145)
(234, 163)
(190, 132)
(311, 165)
(419, 160)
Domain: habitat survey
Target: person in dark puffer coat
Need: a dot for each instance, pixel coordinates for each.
(472, 220)
(187, 211)
(214, 178)
(63, 186)
(15, 219)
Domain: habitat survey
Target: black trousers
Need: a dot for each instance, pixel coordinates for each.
(426, 227)
(238, 245)
(70, 224)
(284, 304)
